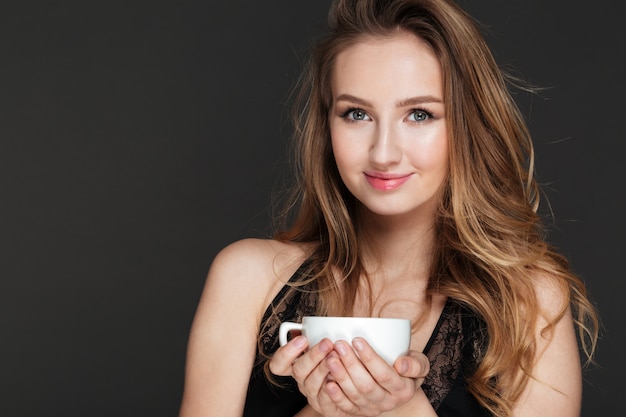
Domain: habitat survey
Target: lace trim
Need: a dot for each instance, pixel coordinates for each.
(291, 304)
(444, 355)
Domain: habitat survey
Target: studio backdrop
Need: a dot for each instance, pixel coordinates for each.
(139, 138)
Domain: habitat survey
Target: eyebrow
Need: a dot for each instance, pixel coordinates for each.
(411, 101)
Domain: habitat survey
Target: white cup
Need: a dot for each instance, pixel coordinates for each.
(389, 337)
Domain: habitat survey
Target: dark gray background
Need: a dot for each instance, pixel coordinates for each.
(139, 138)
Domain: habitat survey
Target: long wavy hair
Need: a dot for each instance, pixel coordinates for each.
(489, 237)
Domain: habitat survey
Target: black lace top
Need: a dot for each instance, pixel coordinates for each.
(454, 350)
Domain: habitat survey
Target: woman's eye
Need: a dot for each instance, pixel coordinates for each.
(420, 116)
(356, 115)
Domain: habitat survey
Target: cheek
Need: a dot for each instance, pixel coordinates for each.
(431, 154)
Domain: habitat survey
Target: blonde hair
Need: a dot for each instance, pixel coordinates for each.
(489, 237)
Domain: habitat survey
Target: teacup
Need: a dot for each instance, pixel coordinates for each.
(389, 337)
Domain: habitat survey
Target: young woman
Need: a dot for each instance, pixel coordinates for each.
(415, 198)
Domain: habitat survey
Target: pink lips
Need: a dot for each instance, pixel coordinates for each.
(384, 181)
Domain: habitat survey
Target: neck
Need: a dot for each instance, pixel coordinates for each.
(397, 247)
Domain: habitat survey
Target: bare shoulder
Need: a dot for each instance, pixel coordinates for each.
(258, 258)
(555, 388)
(256, 266)
(259, 253)
(552, 294)
(242, 280)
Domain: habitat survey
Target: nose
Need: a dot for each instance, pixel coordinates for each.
(385, 149)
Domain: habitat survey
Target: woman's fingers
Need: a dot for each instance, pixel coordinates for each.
(284, 357)
(415, 365)
(341, 388)
(303, 366)
(396, 389)
(357, 391)
(365, 367)
(349, 379)
(310, 372)
(364, 383)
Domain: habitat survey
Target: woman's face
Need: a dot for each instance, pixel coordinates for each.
(388, 126)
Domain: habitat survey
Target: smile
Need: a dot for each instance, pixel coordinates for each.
(386, 182)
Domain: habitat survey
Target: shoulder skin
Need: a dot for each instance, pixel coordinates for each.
(242, 280)
(556, 386)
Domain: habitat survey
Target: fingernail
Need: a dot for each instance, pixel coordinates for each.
(341, 348)
(333, 364)
(358, 344)
(299, 341)
(404, 367)
(331, 388)
(325, 346)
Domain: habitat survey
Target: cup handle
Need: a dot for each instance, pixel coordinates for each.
(285, 328)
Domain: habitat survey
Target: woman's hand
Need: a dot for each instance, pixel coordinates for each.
(307, 367)
(362, 383)
(340, 381)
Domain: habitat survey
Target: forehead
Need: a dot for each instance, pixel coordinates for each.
(393, 64)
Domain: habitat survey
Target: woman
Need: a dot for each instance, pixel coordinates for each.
(415, 198)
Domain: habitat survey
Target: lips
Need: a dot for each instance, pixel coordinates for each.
(386, 181)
